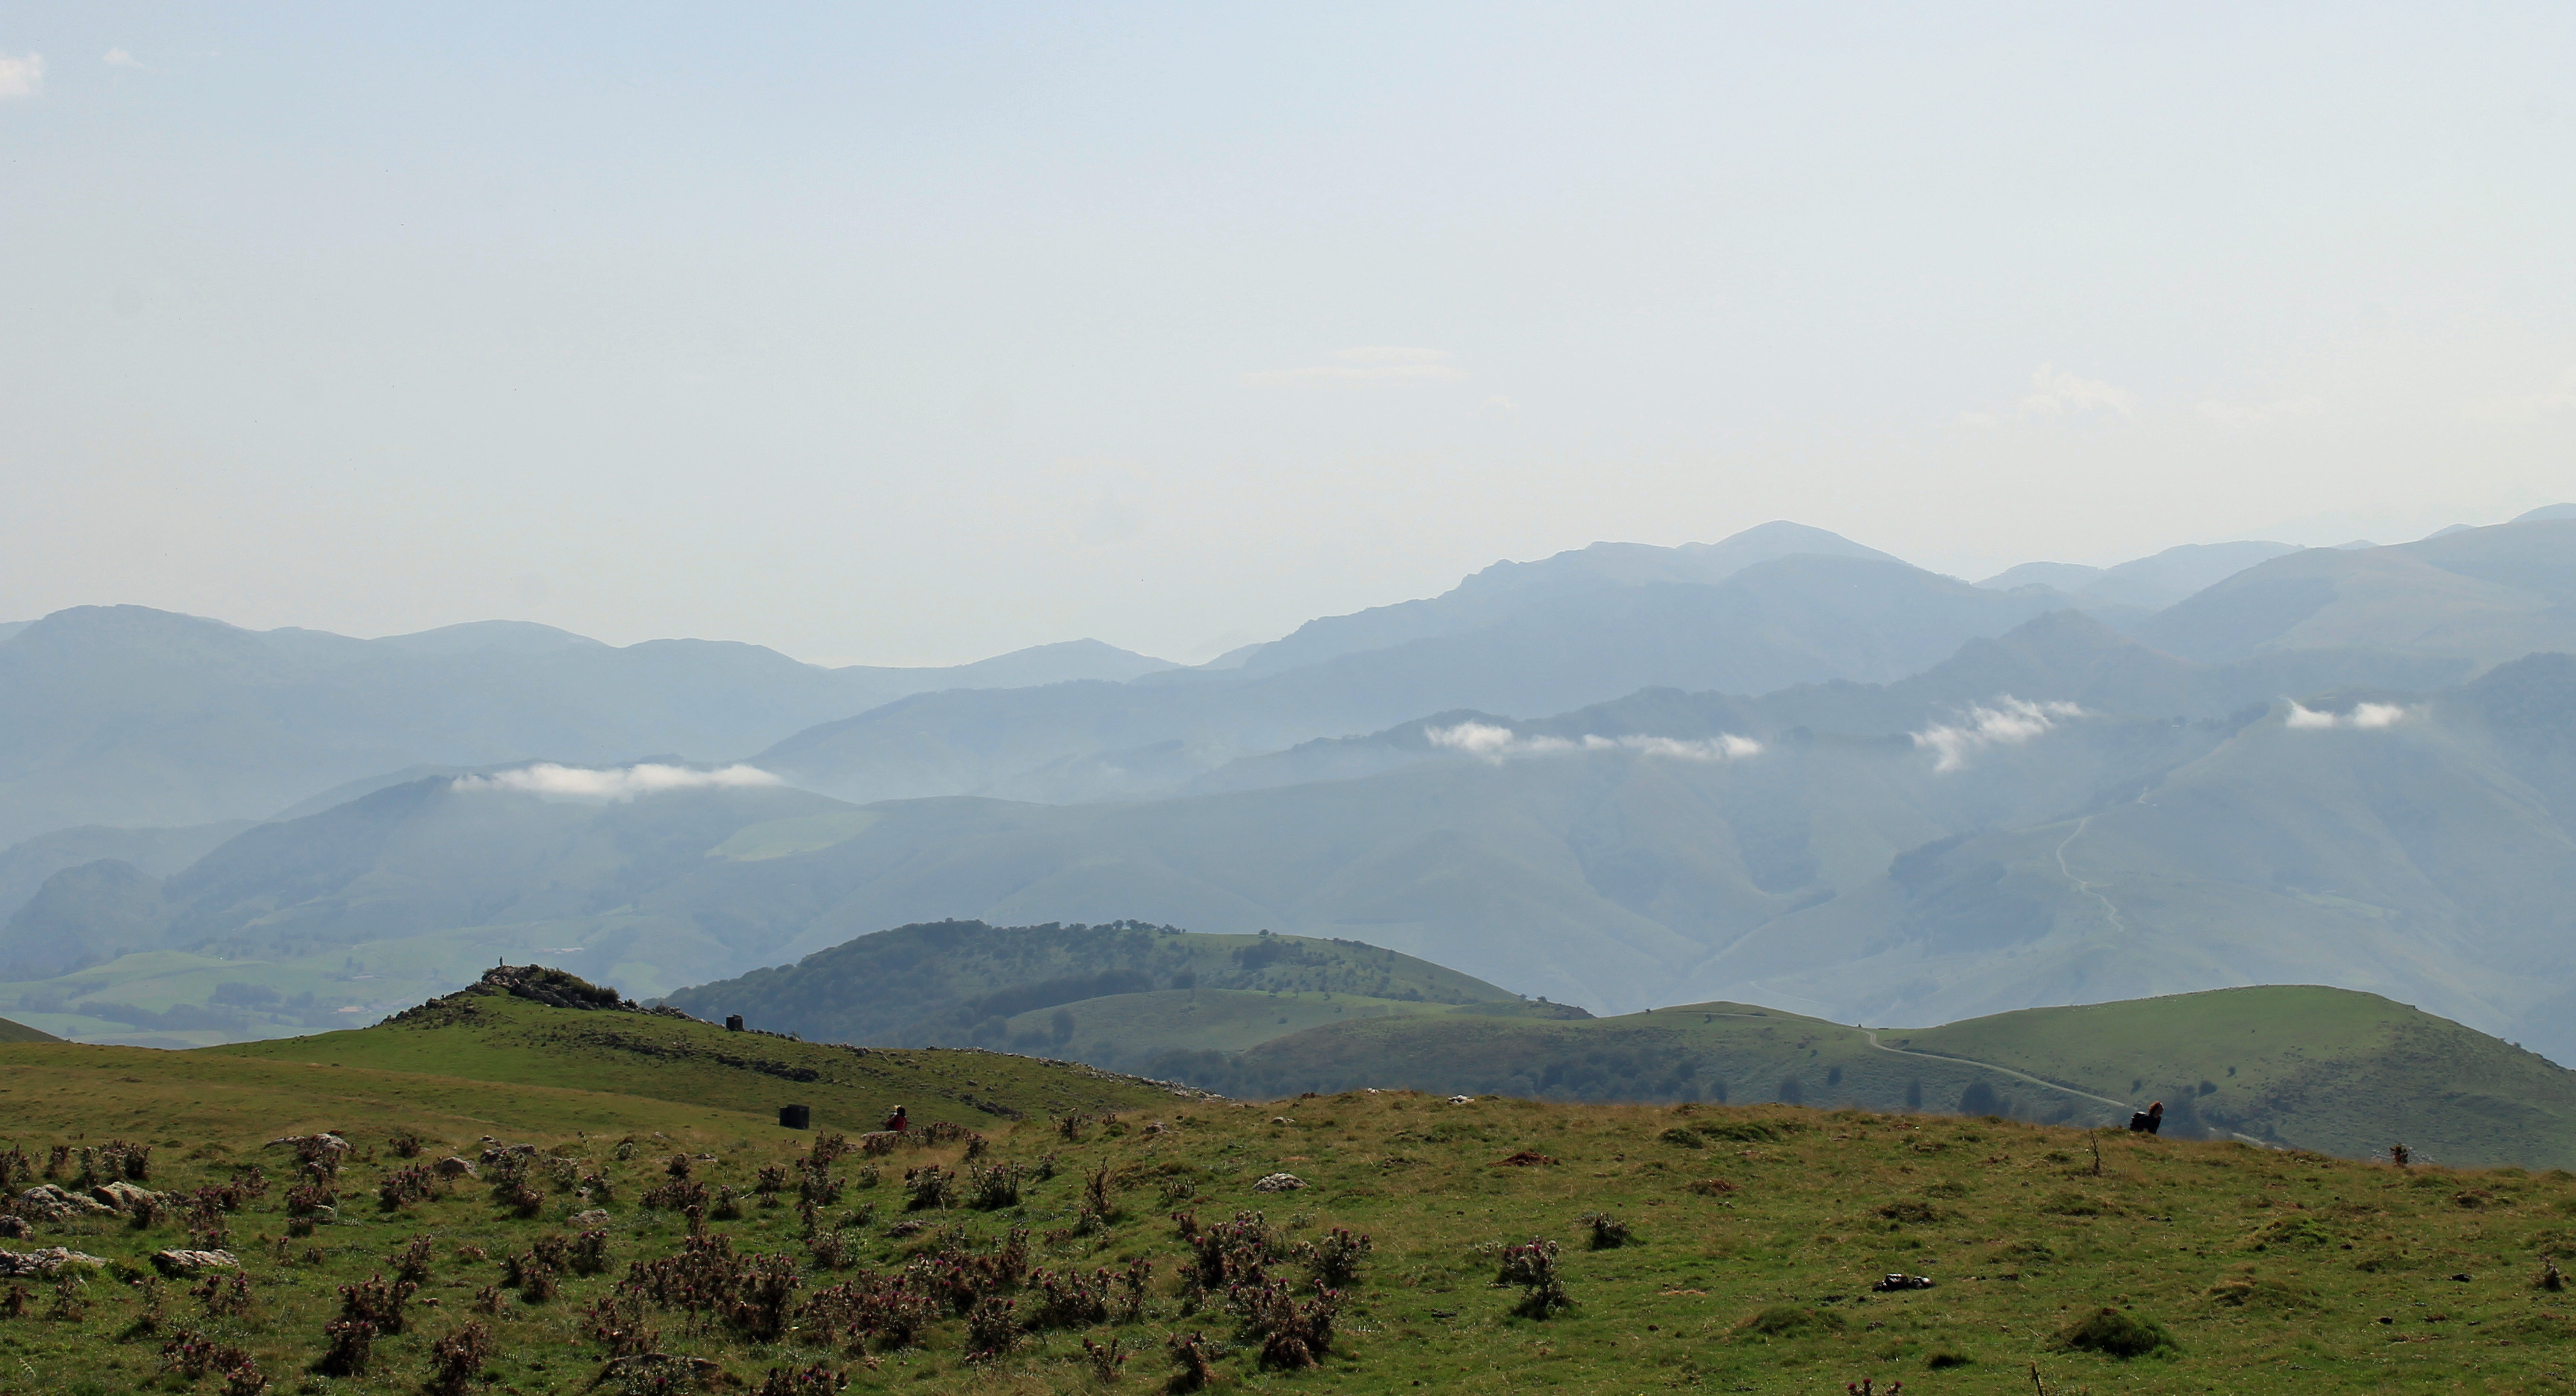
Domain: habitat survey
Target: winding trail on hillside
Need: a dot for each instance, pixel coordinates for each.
(1872, 1035)
(2086, 887)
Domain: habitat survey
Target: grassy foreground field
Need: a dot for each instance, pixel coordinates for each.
(1752, 1238)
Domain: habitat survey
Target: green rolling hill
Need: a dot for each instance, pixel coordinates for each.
(958, 982)
(2305, 1067)
(20, 1032)
(493, 1032)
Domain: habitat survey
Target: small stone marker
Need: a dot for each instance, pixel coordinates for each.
(795, 1117)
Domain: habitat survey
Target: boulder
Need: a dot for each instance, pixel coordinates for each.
(179, 1264)
(1279, 1182)
(592, 1220)
(45, 1202)
(454, 1167)
(126, 1197)
(23, 1264)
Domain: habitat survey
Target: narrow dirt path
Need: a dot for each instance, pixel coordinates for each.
(1872, 1035)
(2086, 887)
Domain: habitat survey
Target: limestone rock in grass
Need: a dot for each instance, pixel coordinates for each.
(45, 1202)
(178, 1264)
(16, 1228)
(591, 1220)
(126, 1197)
(1462, 1100)
(1279, 1182)
(454, 1167)
(16, 1265)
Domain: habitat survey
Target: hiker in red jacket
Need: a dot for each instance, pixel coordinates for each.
(897, 1124)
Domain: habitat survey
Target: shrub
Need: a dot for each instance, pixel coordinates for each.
(817, 1380)
(1069, 1300)
(352, 1347)
(992, 1188)
(991, 1328)
(888, 1308)
(411, 1263)
(224, 1294)
(1293, 1335)
(405, 1144)
(404, 1186)
(1334, 1260)
(1228, 1254)
(1608, 1232)
(1687, 1139)
(377, 1304)
(456, 1361)
(2116, 1333)
(928, 1187)
(1104, 1360)
(1192, 1368)
(192, 1354)
(1533, 1267)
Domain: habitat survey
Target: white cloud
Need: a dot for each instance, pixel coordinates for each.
(2234, 414)
(119, 58)
(1366, 365)
(614, 783)
(1502, 743)
(22, 77)
(2366, 716)
(2008, 722)
(2057, 394)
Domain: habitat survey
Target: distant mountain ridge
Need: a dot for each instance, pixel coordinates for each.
(129, 716)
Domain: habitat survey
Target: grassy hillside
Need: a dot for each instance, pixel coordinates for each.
(1748, 1243)
(489, 1034)
(2335, 1071)
(1132, 1031)
(20, 1032)
(957, 982)
(2315, 1068)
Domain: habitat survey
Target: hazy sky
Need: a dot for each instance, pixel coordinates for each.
(917, 334)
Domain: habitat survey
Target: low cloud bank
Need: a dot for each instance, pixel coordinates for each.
(615, 783)
(2364, 715)
(1502, 743)
(2009, 721)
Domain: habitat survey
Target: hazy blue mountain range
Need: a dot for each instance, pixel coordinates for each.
(1781, 767)
(1550, 641)
(1888, 852)
(2148, 584)
(127, 716)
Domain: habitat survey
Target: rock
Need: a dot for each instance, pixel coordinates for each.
(126, 1197)
(16, 1228)
(178, 1264)
(1462, 1100)
(591, 1220)
(45, 1202)
(20, 1264)
(454, 1167)
(1279, 1182)
(1893, 1283)
(499, 1152)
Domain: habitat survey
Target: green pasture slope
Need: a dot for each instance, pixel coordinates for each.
(487, 1034)
(2325, 1069)
(2334, 1070)
(1748, 1240)
(20, 1032)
